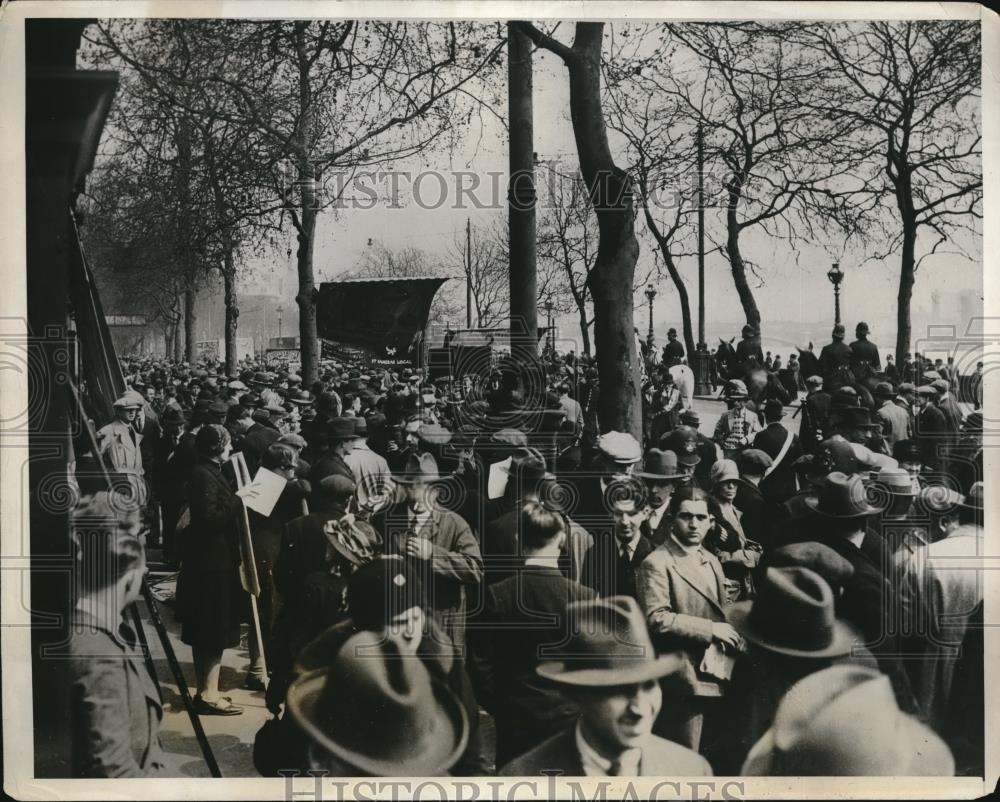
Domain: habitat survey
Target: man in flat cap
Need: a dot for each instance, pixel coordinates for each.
(930, 427)
(120, 445)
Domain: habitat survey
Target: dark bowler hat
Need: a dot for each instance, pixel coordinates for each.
(884, 390)
(659, 465)
(844, 397)
(419, 469)
(172, 415)
(382, 589)
(973, 422)
(793, 614)
(608, 645)
(774, 409)
(841, 496)
(340, 429)
(380, 711)
(907, 451)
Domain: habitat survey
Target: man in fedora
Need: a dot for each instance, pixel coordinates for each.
(660, 473)
(414, 724)
(844, 721)
(792, 630)
(339, 438)
(739, 426)
(948, 404)
(610, 670)
(609, 567)
(523, 615)
(371, 471)
(681, 589)
(841, 511)
(261, 434)
(438, 543)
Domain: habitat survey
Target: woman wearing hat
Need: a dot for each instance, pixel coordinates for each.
(726, 539)
(211, 603)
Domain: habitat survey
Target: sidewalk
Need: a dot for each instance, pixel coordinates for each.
(231, 737)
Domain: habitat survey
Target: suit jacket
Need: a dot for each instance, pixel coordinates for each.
(952, 413)
(781, 480)
(523, 624)
(606, 572)
(328, 465)
(455, 565)
(931, 430)
(660, 758)
(502, 549)
(896, 423)
(869, 602)
(657, 536)
(680, 607)
(115, 708)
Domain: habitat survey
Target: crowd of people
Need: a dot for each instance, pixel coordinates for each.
(752, 601)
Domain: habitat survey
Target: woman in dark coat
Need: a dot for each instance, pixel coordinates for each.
(210, 598)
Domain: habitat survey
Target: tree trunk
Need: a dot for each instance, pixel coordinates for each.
(675, 276)
(306, 297)
(905, 292)
(178, 353)
(737, 267)
(190, 318)
(584, 328)
(610, 282)
(232, 311)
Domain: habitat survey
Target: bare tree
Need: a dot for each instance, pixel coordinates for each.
(381, 261)
(611, 193)
(747, 85)
(912, 89)
(484, 268)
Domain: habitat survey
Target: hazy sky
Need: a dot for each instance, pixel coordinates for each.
(795, 285)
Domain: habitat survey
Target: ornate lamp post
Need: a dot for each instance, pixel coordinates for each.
(650, 295)
(279, 310)
(836, 275)
(549, 306)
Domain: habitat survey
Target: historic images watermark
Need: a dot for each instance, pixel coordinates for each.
(320, 788)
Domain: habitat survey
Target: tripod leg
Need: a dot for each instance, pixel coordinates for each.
(182, 687)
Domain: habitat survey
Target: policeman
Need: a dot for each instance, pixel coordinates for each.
(835, 357)
(864, 354)
(673, 351)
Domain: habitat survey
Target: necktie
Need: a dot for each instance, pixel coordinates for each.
(615, 769)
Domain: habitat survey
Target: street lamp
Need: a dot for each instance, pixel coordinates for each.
(836, 275)
(549, 306)
(279, 310)
(650, 295)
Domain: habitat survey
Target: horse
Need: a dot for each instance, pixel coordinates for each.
(726, 364)
(683, 378)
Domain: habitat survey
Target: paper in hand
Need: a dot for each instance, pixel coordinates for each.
(716, 663)
(499, 475)
(263, 492)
